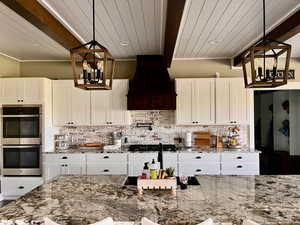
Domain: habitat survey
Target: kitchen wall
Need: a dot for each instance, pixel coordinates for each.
(9, 67)
(126, 69)
(164, 130)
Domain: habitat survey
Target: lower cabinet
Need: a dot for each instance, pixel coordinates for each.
(14, 187)
(170, 159)
(136, 162)
(240, 163)
(111, 163)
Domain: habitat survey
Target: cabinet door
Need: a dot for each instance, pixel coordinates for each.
(184, 101)
(119, 113)
(10, 89)
(81, 106)
(101, 107)
(32, 91)
(74, 169)
(62, 102)
(136, 162)
(203, 101)
(223, 101)
(239, 101)
(51, 171)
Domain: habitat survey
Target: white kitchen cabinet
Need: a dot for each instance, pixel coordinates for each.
(191, 164)
(240, 163)
(110, 107)
(106, 163)
(195, 101)
(170, 159)
(232, 101)
(14, 187)
(21, 90)
(71, 106)
(136, 162)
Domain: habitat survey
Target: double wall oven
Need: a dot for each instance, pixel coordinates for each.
(21, 140)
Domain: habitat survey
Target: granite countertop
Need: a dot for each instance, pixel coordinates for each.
(179, 150)
(81, 200)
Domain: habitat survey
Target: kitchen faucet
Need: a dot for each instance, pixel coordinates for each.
(160, 156)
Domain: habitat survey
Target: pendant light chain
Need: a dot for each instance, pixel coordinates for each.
(264, 37)
(94, 38)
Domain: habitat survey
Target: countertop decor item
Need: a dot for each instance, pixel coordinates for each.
(262, 60)
(157, 184)
(96, 62)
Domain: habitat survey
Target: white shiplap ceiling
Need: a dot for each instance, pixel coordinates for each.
(23, 41)
(222, 28)
(209, 28)
(138, 23)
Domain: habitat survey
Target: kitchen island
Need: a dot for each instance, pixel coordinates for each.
(87, 199)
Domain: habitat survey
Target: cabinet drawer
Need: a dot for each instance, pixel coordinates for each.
(107, 158)
(192, 169)
(11, 186)
(195, 158)
(240, 168)
(240, 157)
(65, 158)
(106, 169)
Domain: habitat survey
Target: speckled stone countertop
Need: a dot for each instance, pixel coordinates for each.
(80, 200)
(179, 150)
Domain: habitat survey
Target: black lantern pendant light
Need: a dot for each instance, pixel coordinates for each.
(93, 65)
(262, 64)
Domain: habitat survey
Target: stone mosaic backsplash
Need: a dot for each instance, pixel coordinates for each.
(163, 130)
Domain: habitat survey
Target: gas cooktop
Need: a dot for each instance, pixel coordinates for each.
(151, 148)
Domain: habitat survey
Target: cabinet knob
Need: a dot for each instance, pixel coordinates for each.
(239, 166)
(21, 187)
(106, 170)
(239, 157)
(106, 157)
(64, 157)
(198, 157)
(198, 170)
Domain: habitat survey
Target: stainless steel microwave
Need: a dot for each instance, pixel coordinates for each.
(21, 125)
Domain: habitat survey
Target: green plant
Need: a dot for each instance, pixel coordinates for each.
(170, 171)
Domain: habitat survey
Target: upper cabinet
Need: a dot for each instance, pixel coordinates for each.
(195, 101)
(232, 101)
(21, 91)
(110, 107)
(71, 106)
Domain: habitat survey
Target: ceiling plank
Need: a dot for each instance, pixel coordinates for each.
(174, 15)
(37, 15)
(284, 31)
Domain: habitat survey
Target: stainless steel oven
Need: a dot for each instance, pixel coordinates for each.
(21, 124)
(21, 160)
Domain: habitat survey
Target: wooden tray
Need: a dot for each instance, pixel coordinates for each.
(157, 184)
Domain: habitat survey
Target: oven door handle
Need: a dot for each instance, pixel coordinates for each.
(20, 146)
(20, 116)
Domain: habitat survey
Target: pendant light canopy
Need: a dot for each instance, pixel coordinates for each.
(261, 65)
(93, 65)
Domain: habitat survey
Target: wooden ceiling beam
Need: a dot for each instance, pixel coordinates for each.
(284, 31)
(37, 15)
(174, 15)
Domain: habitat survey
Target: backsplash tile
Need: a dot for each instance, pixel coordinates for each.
(163, 130)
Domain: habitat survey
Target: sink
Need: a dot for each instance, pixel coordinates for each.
(133, 181)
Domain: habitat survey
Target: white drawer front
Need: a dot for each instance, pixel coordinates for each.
(136, 162)
(106, 169)
(199, 157)
(192, 169)
(107, 158)
(170, 160)
(19, 186)
(240, 168)
(65, 158)
(240, 157)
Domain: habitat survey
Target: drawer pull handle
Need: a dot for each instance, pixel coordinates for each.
(21, 187)
(198, 157)
(106, 157)
(239, 157)
(65, 157)
(106, 170)
(198, 170)
(239, 166)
